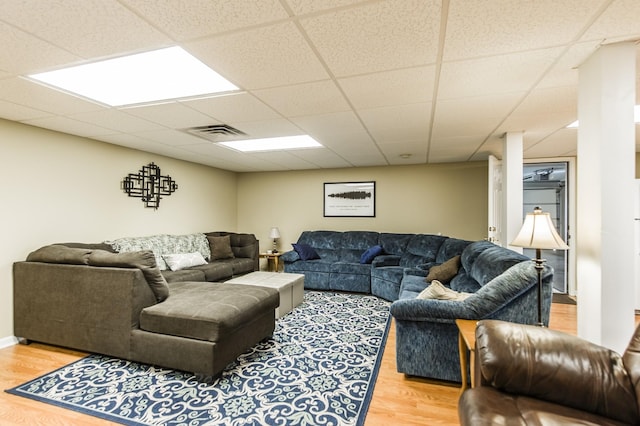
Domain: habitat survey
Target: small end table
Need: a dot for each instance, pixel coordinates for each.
(467, 349)
(272, 259)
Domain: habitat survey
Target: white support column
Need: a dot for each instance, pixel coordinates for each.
(512, 153)
(605, 201)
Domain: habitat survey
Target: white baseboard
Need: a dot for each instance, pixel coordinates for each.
(5, 342)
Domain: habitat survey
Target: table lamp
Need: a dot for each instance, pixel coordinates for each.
(538, 232)
(274, 235)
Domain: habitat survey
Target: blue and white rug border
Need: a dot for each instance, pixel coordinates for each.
(364, 408)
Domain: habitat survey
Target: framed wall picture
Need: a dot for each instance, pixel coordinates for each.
(350, 199)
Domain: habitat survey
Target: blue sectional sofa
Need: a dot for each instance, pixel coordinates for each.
(500, 284)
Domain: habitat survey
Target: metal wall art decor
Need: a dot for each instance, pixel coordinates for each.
(149, 185)
(355, 199)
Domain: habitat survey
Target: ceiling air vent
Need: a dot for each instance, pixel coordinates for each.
(217, 132)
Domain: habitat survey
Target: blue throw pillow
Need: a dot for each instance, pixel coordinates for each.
(370, 254)
(305, 251)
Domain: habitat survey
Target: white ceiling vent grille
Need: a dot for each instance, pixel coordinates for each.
(217, 132)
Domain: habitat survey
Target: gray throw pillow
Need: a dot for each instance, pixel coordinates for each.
(220, 247)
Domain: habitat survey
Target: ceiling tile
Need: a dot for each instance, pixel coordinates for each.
(116, 120)
(174, 115)
(498, 74)
(100, 28)
(388, 88)
(23, 53)
(11, 111)
(319, 97)
(618, 22)
(451, 149)
(394, 152)
(330, 125)
(399, 123)
(36, 96)
(301, 7)
(477, 29)
(323, 158)
(237, 108)
(199, 18)
(263, 57)
(377, 36)
(472, 116)
(172, 137)
(560, 144)
(268, 128)
(68, 125)
(565, 71)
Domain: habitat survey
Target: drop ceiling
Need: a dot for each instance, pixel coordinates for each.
(376, 82)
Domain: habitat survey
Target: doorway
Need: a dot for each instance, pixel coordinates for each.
(545, 186)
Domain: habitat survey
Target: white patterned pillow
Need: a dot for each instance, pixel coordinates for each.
(179, 261)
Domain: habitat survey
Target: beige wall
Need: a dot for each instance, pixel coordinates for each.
(57, 187)
(446, 198)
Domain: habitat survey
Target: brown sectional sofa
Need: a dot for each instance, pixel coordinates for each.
(91, 298)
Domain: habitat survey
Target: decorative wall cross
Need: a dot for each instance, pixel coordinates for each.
(149, 185)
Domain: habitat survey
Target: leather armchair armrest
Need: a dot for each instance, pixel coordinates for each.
(556, 367)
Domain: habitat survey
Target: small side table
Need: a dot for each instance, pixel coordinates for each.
(272, 259)
(467, 349)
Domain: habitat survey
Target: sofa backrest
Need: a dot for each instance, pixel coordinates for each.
(326, 243)
(394, 243)
(451, 247)
(354, 243)
(421, 249)
(494, 261)
(164, 244)
(242, 245)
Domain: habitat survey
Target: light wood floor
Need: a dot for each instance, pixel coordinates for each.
(397, 400)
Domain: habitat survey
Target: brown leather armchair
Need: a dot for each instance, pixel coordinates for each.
(535, 376)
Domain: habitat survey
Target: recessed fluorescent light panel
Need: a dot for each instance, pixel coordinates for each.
(163, 74)
(273, 144)
(636, 118)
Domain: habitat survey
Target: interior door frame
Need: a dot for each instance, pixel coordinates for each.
(571, 219)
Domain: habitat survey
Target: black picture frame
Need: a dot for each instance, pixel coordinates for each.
(350, 199)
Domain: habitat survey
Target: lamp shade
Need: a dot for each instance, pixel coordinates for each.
(539, 232)
(275, 233)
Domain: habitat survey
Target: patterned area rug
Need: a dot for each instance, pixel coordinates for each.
(319, 369)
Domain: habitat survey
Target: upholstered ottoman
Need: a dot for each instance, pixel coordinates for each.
(212, 323)
(290, 287)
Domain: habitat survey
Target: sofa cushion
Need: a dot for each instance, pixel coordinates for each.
(144, 260)
(219, 270)
(370, 254)
(305, 251)
(178, 261)
(464, 282)
(57, 253)
(208, 311)
(220, 247)
(184, 275)
(446, 271)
